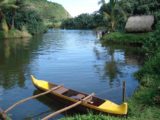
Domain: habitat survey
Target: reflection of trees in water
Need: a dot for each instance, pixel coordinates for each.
(133, 55)
(111, 67)
(53, 104)
(97, 53)
(111, 70)
(15, 54)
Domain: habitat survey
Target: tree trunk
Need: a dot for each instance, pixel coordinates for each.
(5, 27)
(1, 15)
(13, 17)
(3, 22)
(113, 25)
(12, 26)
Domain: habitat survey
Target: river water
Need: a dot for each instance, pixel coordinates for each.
(74, 58)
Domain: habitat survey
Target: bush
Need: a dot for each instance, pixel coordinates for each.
(31, 19)
(151, 67)
(125, 38)
(153, 43)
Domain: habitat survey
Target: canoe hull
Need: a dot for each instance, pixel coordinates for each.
(80, 109)
(66, 96)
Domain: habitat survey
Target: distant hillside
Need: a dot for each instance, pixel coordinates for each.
(51, 12)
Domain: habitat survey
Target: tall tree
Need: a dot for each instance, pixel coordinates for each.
(5, 4)
(18, 5)
(3, 26)
(112, 12)
(101, 2)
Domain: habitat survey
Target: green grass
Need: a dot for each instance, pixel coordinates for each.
(125, 38)
(151, 113)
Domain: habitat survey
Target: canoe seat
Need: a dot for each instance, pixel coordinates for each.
(78, 96)
(81, 96)
(61, 90)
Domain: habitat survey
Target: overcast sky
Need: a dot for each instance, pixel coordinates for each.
(76, 7)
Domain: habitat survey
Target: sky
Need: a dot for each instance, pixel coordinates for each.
(76, 7)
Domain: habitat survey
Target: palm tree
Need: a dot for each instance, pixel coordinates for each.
(5, 4)
(102, 2)
(16, 4)
(3, 22)
(112, 12)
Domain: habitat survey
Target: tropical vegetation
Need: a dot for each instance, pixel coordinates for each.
(109, 16)
(84, 21)
(21, 18)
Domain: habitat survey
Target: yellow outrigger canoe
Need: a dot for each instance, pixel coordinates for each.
(72, 96)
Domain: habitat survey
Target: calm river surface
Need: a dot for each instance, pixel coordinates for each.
(74, 58)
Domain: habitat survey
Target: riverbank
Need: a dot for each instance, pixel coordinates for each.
(14, 33)
(145, 103)
(125, 38)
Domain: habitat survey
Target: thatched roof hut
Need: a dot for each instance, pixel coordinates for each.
(140, 23)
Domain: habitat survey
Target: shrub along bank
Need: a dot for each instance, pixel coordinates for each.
(125, 38)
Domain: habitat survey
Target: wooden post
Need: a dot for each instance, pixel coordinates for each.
(32, 97)
(67, 108)
(124, 91)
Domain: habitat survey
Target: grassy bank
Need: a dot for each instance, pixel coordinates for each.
(125, 38)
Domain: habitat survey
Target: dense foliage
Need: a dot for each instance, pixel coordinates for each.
(113, 15)
(109, 16)
(24, 17)
(31, 20)
(33, 16)
(152, 48)
(84, 21)
(52, 13)
(140, 7)
(153, 43)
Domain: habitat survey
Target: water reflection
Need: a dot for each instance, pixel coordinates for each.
(117, 58)
(74, 58)
(48, 101)
(15, 55)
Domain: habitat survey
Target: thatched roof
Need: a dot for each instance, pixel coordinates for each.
(140, 23)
